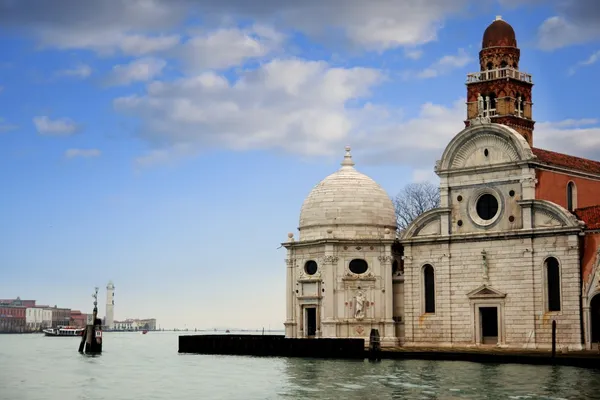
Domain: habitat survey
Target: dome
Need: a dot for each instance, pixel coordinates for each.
(499, 34)
(347, 198)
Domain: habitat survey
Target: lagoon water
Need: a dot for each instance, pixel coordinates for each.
(135, 366)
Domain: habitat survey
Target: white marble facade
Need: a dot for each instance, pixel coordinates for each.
(469, 273)
(339, 270)
(489, 249)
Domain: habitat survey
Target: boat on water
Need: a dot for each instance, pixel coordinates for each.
(64, 331)
(144, 331)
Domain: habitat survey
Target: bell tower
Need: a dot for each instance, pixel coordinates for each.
(500, 91)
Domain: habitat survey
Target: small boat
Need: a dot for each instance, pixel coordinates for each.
(144, 331)
(64, 331)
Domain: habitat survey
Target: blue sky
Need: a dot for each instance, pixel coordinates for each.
(168, 145)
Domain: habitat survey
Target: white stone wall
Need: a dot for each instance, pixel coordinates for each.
(491, 158)
(515, 268)
(333, 289)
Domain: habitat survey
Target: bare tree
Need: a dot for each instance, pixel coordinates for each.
(414, 200)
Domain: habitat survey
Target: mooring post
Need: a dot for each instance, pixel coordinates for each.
(374, 345)
(553, 338)
(92, 335)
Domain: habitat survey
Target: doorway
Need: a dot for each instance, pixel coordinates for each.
(489, 325)
(595, 319)
(311, 321)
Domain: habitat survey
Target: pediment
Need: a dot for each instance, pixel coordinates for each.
(432, 227)
(486, 292)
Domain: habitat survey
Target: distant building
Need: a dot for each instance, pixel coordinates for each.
(17, 302)
(38, 317)
(60, 316)
(12, 319)
(78, 319)
(110, 306)
(131, 324)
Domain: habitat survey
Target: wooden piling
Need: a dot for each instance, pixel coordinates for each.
(91, 339)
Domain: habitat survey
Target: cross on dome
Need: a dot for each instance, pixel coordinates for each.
(347, 162)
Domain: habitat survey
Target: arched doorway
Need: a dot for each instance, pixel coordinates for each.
(595, 319)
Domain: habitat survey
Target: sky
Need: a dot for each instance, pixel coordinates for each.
(168, 145)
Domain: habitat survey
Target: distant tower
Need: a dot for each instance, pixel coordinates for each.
(504, 89)
(110, 305)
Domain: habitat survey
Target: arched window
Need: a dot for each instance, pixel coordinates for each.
(503, 64)
(571, 196)
(519, 101)
(429, 288)
(553, 284)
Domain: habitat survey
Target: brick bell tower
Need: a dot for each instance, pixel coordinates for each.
(500, 91)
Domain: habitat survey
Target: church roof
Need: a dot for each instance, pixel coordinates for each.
(589, 215)
(567, 161)
(348, 197)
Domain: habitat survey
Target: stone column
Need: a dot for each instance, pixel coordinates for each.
(389, 333)
(328, 309)
(290, 320)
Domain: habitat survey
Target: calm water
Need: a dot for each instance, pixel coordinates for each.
(135, 366)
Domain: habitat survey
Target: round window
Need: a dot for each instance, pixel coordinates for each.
(358, 266)
(310, 267)
(487, 207)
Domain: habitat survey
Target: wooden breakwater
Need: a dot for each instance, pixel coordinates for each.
(272, 345)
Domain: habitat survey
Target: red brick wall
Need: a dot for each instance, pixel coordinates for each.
(552, 186)
(15, 312)
(590, 246)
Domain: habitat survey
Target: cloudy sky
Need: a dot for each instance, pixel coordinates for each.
(168, 144)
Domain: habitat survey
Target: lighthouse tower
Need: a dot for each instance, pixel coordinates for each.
(110, 306)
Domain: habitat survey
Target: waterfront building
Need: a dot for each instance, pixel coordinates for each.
(60, 316)
(12, 318)
(514, 246)
(109, 320)
(38, 317)
(132, 324)
(78, 319)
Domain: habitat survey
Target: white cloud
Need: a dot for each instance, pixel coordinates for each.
(82, 153)
(295, 105)
(444, 65)
(131, 26)
(57, 127)
(576, 137)
(591, 60)
(79, 71)
(576, 22)
(224, 48)
(140, 70)
(414, 54)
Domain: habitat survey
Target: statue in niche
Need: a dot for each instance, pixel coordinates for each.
(359, 310)
(480, 105)
(485, 265)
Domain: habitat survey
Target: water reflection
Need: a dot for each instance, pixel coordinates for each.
(414, 379)
(148, 367)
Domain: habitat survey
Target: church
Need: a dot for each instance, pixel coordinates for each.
(514, 245)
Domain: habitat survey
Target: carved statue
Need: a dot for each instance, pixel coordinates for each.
(488, 103)
(485, 265)
(359, 311)
(480, 105)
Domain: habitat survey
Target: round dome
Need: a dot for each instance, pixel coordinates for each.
(347, 197)
(499, 34)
